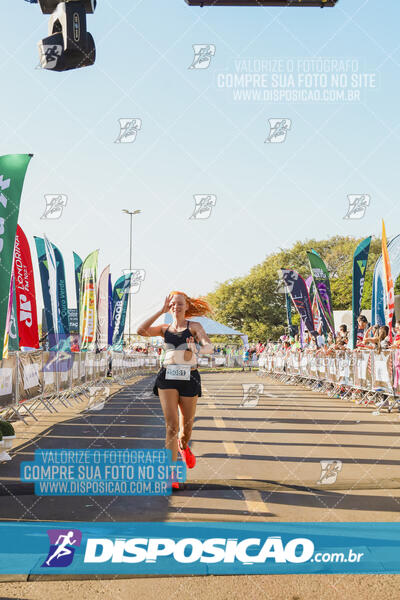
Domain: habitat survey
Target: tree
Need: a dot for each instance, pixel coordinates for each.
(255, 304)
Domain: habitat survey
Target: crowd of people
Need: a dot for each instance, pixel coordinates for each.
(374, 337)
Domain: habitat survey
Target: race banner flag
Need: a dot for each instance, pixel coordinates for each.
(378, 295)
(78, 270)
(13, 333)
(13, 169)
(110, 312)
(297, 288)
(394, 257)
(102, 310)
(9, 321)
(289, 313)
(25, 293)
(378, 289)
(310, 287)
(388, 281)
(360, 261)
(322, 325)
(52, 282)
(120, 304)
(322, 287)
(44, 279)
(316, 315)
(88, 308)
(62, 300)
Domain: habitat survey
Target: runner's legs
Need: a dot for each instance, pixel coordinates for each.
(187, 411)
(169, 404)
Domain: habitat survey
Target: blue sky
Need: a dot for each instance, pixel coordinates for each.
(196, 138)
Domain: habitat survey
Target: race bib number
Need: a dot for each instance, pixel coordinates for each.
(181, 372)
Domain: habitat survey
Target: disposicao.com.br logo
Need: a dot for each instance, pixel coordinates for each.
(212, 550)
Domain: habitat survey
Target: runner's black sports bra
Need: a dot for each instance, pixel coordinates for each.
(174, 340)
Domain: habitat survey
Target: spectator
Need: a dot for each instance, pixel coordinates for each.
(380, 340)
(363, 326)
(396, 341)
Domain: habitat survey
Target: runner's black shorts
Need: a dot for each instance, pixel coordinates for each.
(189, 388)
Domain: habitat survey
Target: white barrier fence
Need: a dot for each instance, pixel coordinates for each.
(366, 374)
(30, 379)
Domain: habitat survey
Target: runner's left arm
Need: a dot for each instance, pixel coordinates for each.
(206, 346)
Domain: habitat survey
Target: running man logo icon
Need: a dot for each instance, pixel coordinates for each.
(138, 275)
(287, 279)
(251, 394)
(55, 204)
(62, 550)
(358, 204)
(203, 205)
(128, 130)
(330, 469)
(203, 54)
(49, 55)
(278, 129)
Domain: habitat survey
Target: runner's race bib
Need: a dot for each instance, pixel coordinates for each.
(178, 372)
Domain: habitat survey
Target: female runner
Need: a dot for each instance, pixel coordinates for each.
(178, 382)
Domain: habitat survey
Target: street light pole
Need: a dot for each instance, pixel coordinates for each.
(130, 268)
(130, 213)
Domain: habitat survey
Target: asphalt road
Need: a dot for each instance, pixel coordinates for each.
(258, 460)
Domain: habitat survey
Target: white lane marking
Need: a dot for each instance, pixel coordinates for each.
(254, 501)
(231, 449)
(219, 423)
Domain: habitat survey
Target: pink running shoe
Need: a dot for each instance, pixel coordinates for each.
(187, 455)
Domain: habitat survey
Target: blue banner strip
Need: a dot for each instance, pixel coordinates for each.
(72, 548)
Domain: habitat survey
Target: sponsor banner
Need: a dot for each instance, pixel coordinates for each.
(297, 288)
(360, 261)
(25, 293)
(12, 174)
(362, 369)
(29, 380)
(388, 281)
(78, 269)
(103, 310)
(322, 287)
(44, 279)
(48, 374)
(378, 293)
(64, 370)
(88, 308)
(10, 322)
(52, 283)
(382, 371)
(292, 328)
(193, 548)
(62, 300)
(8, 375)
(120, 304)
(110, 312)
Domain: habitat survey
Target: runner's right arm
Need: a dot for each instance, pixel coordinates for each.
(146, 329)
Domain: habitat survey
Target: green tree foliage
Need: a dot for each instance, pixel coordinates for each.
(255, 304)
